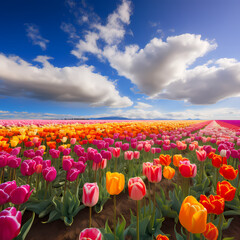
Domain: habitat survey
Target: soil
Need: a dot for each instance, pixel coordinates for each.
(58, 231)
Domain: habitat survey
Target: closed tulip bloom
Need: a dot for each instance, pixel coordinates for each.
(90, 234)
(136, 154)
(136, 188)
(114, 183)
(128, 155)
(154, 173)
(191, 147)
(103, 163)
(3, 161)
(147, 147)
(205, 201)
(66, 151)
(5, 191)
(73, 141)
(226, 190)
(16, 151)
(67, 164)
(14, 162)
(90, 194)
(49, 174)
(10, 223)
(201, 155)
(140, 147)
(125, 146)
(146, 166)
(168, 172)
(187, 169)
(193, 215)
(20, 195)
(176, 159)
(80, 166)
(211, 232)
(116, 152)
(218, 161)
(228, 172)
(28, 167)
(165, 160)
(46, 163)
(72, 174)
(161, 237)
(218, 203)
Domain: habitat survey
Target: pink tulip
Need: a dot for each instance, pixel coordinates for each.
(90, 194)
(136, 188)
(125, 146)
(10, 223)
(146, 166)
(5, 191)
(97, 158)
(201, 155)
(46, 163)
(140, 147)
(103, 163)
(90, 234)
(49, 174)
(28, 167)
(191, 147)
(136, 154)
(128, 155)
(73, 141)
(154, 173)
(80, 166)
(16, 151)
(66, 151)
(147, 147)
(72, 174)
(20, 195)
(116, 152)
(3, 161)
(14, 162)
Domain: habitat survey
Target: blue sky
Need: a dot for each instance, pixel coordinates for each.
(136, 59)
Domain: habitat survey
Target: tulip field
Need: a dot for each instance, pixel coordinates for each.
(116, 180)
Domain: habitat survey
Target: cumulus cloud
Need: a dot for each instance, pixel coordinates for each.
(110, 33)
(70, 30)
(207, 84)
(34, 34)
(69, 84)
(159, 63)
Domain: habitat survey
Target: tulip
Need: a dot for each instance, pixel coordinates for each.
(168, 172)
(201, 155)
(14, 162)
(176, 160)
(80, 166)
(191, 147)
(161, 237)
(193, 215)
(90, 234)
(49, 174)
(211, 232)
(226, 190)
(128, 155)
(115, 184)
(67, 164)
(136, 154)
(218, 203)
(90, 197)
(136, 188)
(228, 172)
(20, 194)
(147, 147)
(116, 154)
(154, 173)
(28, 167)
(187, 169)
(10, 223)
(165, 160)
(205, 201)
(5, 191)
(73, 141)
(66, 151)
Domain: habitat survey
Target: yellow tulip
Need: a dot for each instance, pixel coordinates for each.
(168, 172)
(114, 182)
(193, 215)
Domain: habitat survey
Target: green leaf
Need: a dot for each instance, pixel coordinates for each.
(68, 221)
(25, 228)
(177, 235)
(227, 224)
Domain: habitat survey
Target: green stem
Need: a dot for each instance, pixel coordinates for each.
(220, 225)
(188, 235)
(138, 219)
(115, 164)
(1, 176)
(95, 176)
(46, 190)
(90, 217)
(149, 192)
(37, 183)
(201, 170)
(28, 178)
(114, 217)
(144, 206)
(65, 186)
(154, 199)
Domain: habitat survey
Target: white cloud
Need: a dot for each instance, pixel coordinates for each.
(70, 30)
(159, 63)
(69, 84)
(142, 105)
(35, 36)
(110, 34)
(207, 84)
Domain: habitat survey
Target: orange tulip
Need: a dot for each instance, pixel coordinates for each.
(211, 232)
(168, 172)
(114, 182)
(228, 172)
(176, 160)
(193, 215)
(165, 160)
(161, 237)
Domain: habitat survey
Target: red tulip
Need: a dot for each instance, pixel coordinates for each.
(154, 173)
(201, 155)
(187, 169)
(136, 188)
(211, 232)
(128, 155)
(226, 190)
(228, 172)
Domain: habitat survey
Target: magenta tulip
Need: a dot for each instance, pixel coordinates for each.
(10, 223)
(28, 167)
(49, 174)
(5, 191)
(90, 234)
(67, 164)
(20, 195)
(72, 174)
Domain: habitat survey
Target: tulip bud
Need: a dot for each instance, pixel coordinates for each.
(90, 194)
(136, 188)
